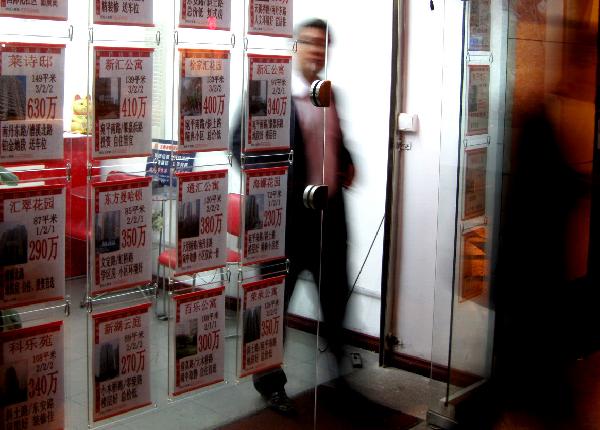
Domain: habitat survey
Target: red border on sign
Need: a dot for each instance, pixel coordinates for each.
(97, 11)
(251, 20)
(28, 331)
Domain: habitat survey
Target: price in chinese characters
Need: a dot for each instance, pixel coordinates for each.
(277, 106)
(134, 237)
(211, 224)
(214, 105)
(43, 385)
(41, 107)
(209, 341)
(134, 107)
(133, 362)
(270, 327)
(43, 249)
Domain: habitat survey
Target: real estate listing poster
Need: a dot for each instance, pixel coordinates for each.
(123, 12)
(474, 264)
(475, 183)
(208, 14)
(56, 10)
(271, 17)
(478, 102)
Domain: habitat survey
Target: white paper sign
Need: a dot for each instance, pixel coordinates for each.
(269, 102)
(123, 12)
(262, 323)
(122, 102)
(32, 245)
(271, 17)
(210, 14)
(265, 214)
(203, 100)
(122, 234)
(121, 361)
(32, 378)
(479, 100)
(201, 221)
(199, 341)
(31, 102)
(50, 9)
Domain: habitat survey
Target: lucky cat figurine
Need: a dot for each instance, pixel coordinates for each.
(79, 121)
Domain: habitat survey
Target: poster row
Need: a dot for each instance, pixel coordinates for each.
(32, 371)
(265, 17)
(32, 98)
(33, 224)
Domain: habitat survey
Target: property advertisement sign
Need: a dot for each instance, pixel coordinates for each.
(43, 9)
(199, 341)
(265, 204)
(478, 103)
(203, 100)
(31, 102)
(271, 17)
(269, 102)
(209, 14)
(32, 394)
(475, 183)
(122, 102)
(122, 234)
(201, 221)
(123, 12)
(479, 25)
(262, 325)
(32, 245)
(121, 361)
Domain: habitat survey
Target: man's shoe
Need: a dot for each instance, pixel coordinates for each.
(280, 402)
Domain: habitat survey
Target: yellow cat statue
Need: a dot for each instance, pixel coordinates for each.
(79, 121)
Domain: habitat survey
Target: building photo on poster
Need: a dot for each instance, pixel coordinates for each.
(201, 221)
(203, 100)
(271, 17)
(31, 102)
(123, 12)
(32, 245)
(199, 341)
(32, 394)
(122, 234)
(121, 361)
(122, 102)
(265, 204)
(262, 325)
(478, 101)
(208, 14)
(475, 183)
(53, 10)
(269, 102)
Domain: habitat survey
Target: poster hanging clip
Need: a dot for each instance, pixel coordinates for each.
(157, 38)
(176, 37)
(91, 35)
(67, 307)
(70, 32)
(232, 40)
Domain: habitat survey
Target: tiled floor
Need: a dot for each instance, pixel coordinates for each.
(235, 398)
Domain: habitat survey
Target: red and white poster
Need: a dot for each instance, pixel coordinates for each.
(478, 104)
(121, 361)
(32, 378)
(474, 264)
(475, 183)
(201, 221)
(262, 324)
(31, 102)
(264, 214)
(271, 17)
(122, 234)
(32, 245)
(269, 102)
(49, 9)
(203, 100)
(209, 14)
(199, 341)
(122, 102)
(123, 12)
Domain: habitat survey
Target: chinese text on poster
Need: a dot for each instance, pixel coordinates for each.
(210, 14)
(49, 9)
(123, 12)
(271, 17)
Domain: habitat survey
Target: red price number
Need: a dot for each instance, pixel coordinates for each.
(134, 107)
(209, 341)
(134, 362)
(211, 224)
(41, 107)
(134, 237)
(43, 385)
(43, 249)
(214, 105)
(272, 218)
(276, 105)
(270, 327)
